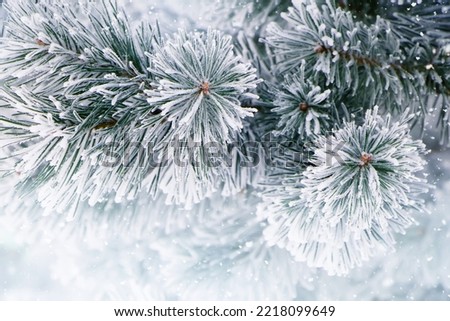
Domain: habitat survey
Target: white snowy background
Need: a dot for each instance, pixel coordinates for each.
(131, 258)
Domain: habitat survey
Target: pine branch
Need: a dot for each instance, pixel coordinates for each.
(201, 78)
(424, 33)
(94, 112)
(68, 79)
(361, 187)
(371, 64)
(422, 27)
(199, 86)
(303, 107)
(95, 106)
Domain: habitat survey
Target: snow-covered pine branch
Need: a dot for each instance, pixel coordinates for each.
(67, 73)
(303, 107)
(371, 64)
(200, 78)
(101, 118)
(100, 102)
(363, 182)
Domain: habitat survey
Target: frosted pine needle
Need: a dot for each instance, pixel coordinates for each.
(200, 78)
(365, 174)
(302, 106)
(362, 183)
